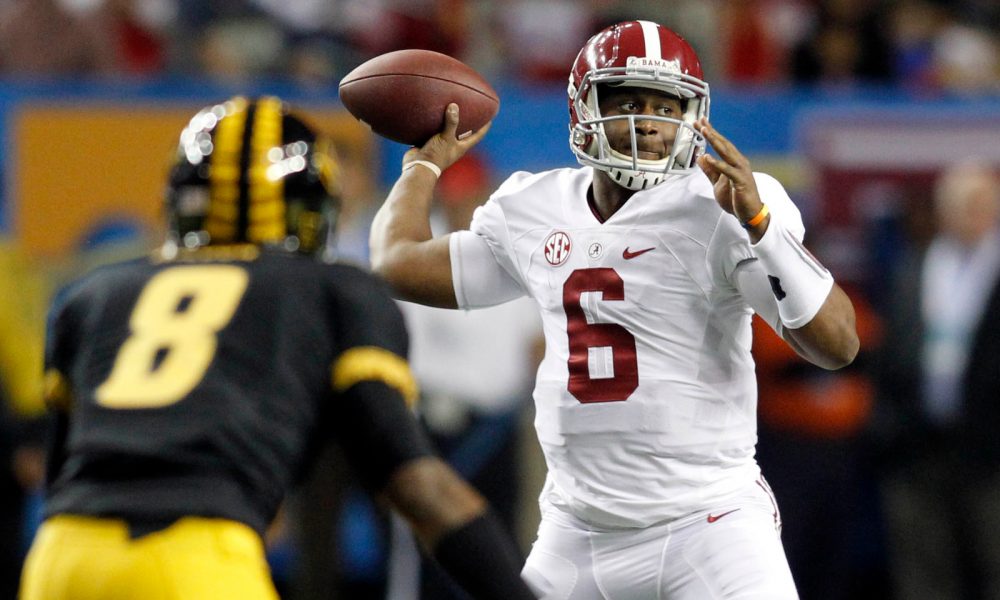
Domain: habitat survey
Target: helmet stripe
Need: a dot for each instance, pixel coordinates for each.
(266, 205)
(243, 218)
(224, 177)
(651, 37)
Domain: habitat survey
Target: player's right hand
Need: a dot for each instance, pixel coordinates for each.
(444, 149)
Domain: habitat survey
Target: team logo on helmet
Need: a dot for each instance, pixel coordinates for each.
(557, 248)
(636, 64)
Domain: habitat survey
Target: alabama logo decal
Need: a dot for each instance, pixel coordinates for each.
(557, 248)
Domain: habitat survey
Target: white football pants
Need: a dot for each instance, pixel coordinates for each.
(732, 551)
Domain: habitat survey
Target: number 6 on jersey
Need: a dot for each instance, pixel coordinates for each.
(598, 338)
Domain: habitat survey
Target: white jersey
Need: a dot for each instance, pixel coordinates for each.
(481, 359)
(646, 398)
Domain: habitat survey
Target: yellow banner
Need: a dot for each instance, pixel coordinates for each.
(83, 169)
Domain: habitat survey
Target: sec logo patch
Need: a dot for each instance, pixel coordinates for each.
(557, 248)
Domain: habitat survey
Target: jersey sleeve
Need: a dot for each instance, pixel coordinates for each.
(751, 281)
(484, 268)
(365, 315)
(374, 347)
(60, 343)
(373, 384)
(478, 277)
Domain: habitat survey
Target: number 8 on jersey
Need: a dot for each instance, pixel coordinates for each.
(173, 339)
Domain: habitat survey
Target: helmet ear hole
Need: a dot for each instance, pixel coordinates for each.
(308, 225)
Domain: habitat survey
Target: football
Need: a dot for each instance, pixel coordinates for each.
(402, 95)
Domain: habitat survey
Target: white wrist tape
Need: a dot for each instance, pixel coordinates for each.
(799, 282)
(426, 163)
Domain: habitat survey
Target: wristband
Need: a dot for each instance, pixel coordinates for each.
(433, 167)
(758, 218)
(799, 282)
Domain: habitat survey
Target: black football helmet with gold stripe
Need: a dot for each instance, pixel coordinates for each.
(248, 171)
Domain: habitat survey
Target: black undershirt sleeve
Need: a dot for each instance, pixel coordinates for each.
(482, 559)
(378, 432)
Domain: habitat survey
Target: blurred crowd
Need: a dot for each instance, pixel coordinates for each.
(923, 44)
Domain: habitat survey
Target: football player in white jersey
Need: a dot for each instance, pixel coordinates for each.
(647, 265)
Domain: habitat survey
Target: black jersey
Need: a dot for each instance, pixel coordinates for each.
(202, 386)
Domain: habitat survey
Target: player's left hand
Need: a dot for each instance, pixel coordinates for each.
(730, 174)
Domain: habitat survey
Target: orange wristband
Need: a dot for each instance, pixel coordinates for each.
(758, 218)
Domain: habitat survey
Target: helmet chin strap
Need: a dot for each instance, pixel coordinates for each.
(637, 180)
(634, 180)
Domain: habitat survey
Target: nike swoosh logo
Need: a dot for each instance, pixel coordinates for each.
(630, 255)
(713, 518)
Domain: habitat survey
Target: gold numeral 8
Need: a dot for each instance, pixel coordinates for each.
(174, 326)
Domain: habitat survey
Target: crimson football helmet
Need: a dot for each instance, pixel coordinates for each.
(247, 171)
(636, 54)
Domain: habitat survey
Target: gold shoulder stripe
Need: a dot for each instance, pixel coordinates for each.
(58, 393)
(371, 363)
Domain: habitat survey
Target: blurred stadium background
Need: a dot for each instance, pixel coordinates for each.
(854, 105)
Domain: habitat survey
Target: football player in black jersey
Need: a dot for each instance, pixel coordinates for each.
(191, 389)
